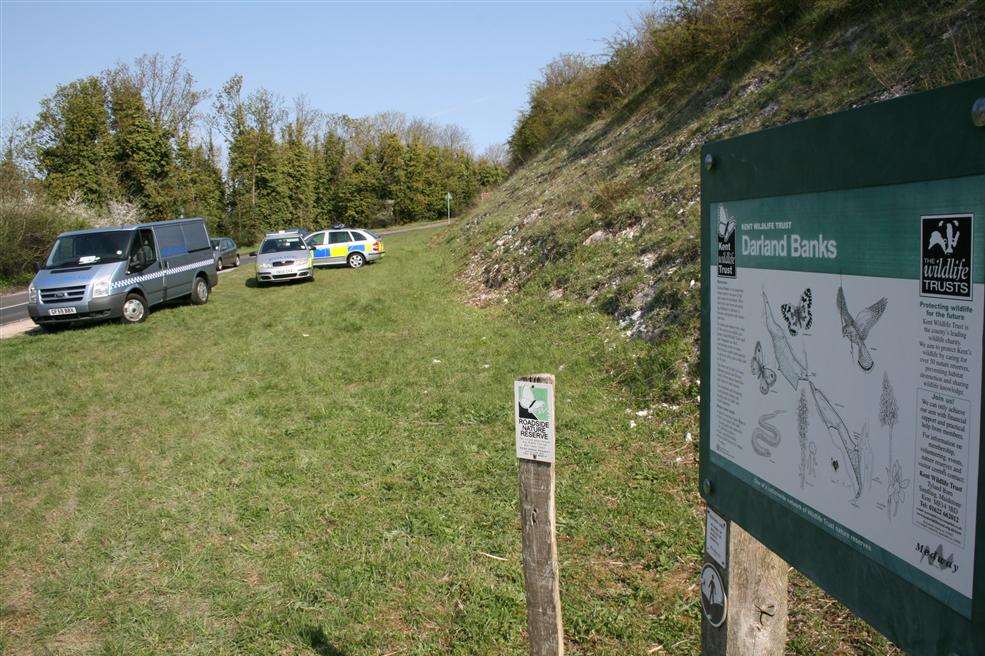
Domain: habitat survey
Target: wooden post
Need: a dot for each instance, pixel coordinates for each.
(756, 612)
(540, 568)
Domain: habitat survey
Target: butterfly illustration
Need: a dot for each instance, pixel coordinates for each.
(799, 317)
(766, 376)
(857, 328)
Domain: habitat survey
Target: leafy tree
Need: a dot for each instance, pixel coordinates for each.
(419, 185)
(258, 197)
(142, 153)
(198, 179)
(329, 179)
(75, 149)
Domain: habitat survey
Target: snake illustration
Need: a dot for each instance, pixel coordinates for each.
(765, 436)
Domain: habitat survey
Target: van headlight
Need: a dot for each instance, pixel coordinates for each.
(32, 293)
(101, 288)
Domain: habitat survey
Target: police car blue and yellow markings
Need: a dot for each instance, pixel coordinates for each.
(133, 280)
(357, 248)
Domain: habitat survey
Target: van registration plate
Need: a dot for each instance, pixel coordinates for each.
(62, 310)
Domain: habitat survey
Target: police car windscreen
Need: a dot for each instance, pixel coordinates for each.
(281, 245)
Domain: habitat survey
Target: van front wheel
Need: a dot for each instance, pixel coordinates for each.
(200, 291)
(134, 309)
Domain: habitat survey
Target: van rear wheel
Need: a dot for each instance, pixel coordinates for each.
(200, 291)
(134, 309)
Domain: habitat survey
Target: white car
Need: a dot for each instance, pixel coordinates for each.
(283, 256)
(351, 246)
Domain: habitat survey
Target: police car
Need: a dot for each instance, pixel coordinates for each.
(352, 246)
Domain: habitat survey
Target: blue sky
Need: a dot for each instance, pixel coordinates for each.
(465, 63)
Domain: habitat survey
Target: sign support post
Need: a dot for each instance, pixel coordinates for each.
(534, 408)
(751, 618)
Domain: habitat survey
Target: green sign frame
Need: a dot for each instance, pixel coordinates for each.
(923, 138)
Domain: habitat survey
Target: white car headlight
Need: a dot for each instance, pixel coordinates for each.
(32, 293)
(101, 288)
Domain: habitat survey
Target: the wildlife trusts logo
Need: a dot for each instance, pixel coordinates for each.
(945, 255)
(726, 243)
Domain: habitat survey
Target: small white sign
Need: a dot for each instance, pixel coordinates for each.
(716, 538)
(533, 409)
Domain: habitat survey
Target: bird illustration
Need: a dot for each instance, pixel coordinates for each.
(857, 328)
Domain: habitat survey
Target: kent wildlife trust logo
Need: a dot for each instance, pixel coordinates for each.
(726, 243)
(945, 249)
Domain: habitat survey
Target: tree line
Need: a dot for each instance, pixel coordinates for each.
(137, 142)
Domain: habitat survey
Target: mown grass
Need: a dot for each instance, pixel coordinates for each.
(327, 468)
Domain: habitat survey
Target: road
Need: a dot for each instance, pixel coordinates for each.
(13, 307)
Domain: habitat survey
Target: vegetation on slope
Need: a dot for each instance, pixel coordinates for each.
(608, 214)
(603, 208)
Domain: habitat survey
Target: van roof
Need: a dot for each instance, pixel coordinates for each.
(131, 226)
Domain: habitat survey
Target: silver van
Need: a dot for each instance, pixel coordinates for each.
(121, 272)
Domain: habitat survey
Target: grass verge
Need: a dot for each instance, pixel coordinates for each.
(328, 468)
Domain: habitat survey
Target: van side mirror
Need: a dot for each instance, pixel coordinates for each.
(36, 265)
(253, 253)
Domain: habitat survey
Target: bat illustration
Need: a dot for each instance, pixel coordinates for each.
(857, 328)
(766, 376)
(798, 317)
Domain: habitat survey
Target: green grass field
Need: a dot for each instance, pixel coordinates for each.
(328, 468)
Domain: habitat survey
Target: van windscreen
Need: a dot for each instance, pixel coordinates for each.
(89, 248)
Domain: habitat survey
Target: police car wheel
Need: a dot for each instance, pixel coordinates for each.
(134, 309)
(356, 260)
(200, 290)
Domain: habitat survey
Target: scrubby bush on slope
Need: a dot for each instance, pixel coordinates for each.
(608, 213)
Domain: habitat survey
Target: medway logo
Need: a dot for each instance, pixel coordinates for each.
(726, 243)
(945, 255)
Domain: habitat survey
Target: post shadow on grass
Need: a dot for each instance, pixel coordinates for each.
(315, 637)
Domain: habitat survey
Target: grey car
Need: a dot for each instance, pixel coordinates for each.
(283, 256)
(226, 253)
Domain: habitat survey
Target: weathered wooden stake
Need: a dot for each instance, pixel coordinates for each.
(540, 568)
(756, 584)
